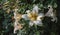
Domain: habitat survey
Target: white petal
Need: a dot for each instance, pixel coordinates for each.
(14, 15)
(25, 16)
(40, 16)
(15, 29)
(28, 11)
(37, 22)
(35, 8)
(16, 22)
(50, 11)
(54, 19)
(31, 23)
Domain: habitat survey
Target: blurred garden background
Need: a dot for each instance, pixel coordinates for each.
(29, 17)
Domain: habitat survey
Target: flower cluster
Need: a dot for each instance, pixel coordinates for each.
(34, 16)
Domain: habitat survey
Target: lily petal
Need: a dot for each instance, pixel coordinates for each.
(41, 15)
(37, 22)
(35, 8)
(28, 11)
(31, 23)
(24, 16)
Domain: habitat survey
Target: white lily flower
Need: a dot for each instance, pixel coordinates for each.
(33, 16)
(17, 17)
(36, 16)
(51, 14)
(38, 20)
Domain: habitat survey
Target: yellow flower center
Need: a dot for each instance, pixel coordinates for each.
(32, 16)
